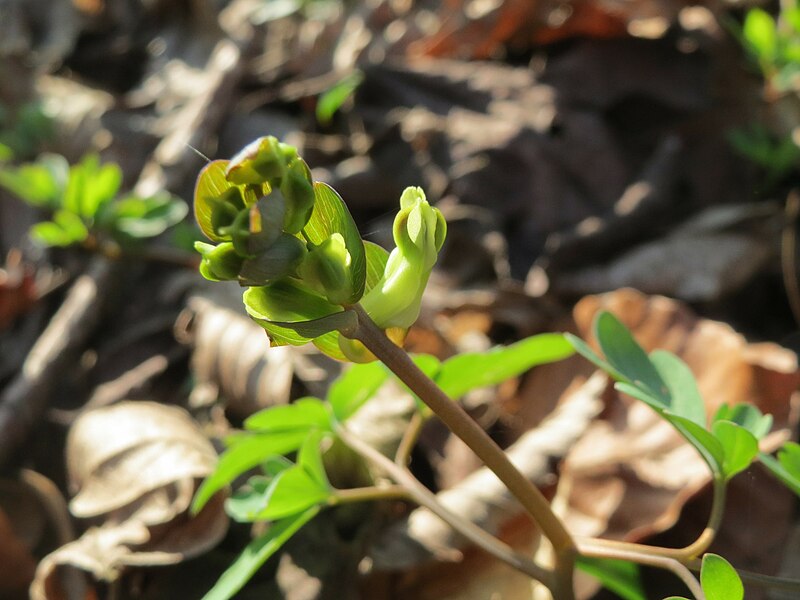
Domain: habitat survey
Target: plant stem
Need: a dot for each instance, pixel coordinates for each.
(371, 493)
(410, 436)
(644, 557)
(460, 423)
(426, 498)
(684, 555)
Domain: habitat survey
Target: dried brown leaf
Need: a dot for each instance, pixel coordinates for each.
(135, 466)
(632, 473)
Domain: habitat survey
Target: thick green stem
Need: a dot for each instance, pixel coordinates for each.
(424, 497)
(460, 423)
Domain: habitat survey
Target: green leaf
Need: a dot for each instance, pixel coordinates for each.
(684, 397)
(304, 414)
(140, 218)
(761, 34)
(747, 416)
(91, 186)
(65, 229)
(705, 443)
(627, 357)
(719, 579)
(310, 459)
(39, 184)
(354, 387)
(332, 100)
(332, 216)
(211, 184)
(586, 352)
(472, 370)
(256, 553)
(248, 451)
(293, 314)
(787, 467)
(290, 492)
(739, 446)
(618, 576)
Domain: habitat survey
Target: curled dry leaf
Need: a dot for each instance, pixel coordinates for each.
(135, 467)
(631, 473)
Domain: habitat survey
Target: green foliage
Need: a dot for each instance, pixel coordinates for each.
(777, 156)
(257, 553)
(719, 580)
(282, 490)
(786, 467)
(472, 370)
(774, 44)
(83, 199)
(332, 100)
(664, 382)
(619, 576)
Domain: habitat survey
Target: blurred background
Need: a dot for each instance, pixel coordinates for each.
(640, 156)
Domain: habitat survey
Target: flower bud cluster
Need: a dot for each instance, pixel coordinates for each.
(254, 207)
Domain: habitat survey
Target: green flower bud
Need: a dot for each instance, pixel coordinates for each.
(263, 160)
(266, 222)
(239, 232)
(419, 232)
(298, 190)
(280, 260)
(224, 210)
(219, 263)
(327, 269)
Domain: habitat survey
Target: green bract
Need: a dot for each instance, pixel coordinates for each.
(295, 245)
(419, 232)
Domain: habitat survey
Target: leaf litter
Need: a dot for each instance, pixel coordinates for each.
(576, 147)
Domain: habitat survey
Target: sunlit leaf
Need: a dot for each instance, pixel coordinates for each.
(332, 216)
(719, 579)
(471, 370)
(211, 184)
(288, 492)
(618, 576)
(761, 33)
(256, 554)
(786, 467)
(354, 387)
(627, 357)
(739, 446)
(304, 413)
(332, 100)
(309, 458)
(248, 451)
(747, 416)
(91, 186)
(41, 183)
(138, 218)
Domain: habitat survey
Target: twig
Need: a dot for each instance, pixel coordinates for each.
(24, 401)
